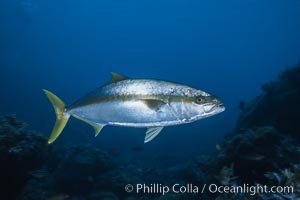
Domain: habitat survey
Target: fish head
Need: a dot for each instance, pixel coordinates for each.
(206, 105)
(197, 104)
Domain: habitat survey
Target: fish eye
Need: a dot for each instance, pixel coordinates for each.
(198, 100)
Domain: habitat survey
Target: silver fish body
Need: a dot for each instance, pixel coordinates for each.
(148, 103)
(125, 103)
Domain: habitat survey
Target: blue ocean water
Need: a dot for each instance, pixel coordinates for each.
(227, 48)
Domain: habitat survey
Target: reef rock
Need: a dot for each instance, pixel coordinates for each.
(22, 151)
(79, 168)
(264, 148)
(277, 106)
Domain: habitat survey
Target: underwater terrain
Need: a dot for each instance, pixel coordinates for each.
(263, 148)
(243, 52)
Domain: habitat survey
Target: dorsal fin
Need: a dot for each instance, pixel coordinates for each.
(115, 77)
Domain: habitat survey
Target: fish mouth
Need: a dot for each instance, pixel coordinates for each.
(221, 107)
(208, 108)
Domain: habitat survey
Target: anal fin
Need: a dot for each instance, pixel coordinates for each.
(96, 126)
(151, 133)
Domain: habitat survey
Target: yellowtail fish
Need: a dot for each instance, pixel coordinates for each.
(142, 103)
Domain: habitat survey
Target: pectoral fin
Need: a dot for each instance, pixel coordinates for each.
(154, 104)
(96, 126)
(151, 133)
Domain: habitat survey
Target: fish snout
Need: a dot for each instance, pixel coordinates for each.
(213, 104)
(217, 101)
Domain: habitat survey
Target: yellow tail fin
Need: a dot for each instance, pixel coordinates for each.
(61, 116)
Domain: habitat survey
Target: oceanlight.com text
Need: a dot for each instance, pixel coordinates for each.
(190, 188)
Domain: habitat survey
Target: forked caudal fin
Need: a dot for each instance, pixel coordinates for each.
(61, 116)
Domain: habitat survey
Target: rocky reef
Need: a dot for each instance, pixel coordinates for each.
(277, 106)
(22, 151)
(263, 149)
(33, 170)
